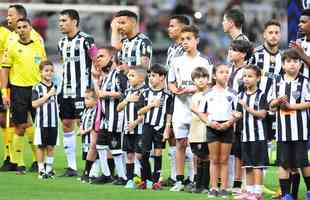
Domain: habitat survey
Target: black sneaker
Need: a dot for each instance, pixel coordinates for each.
(197, 190)
(102, 180)
(42, 175)
(223, 194)
(189, 187)
(6, 165)
(168, 183)
(212, 193)
(84, 179)
(69, 173)
(51, 174)
(120, 181)
(21, 170)
(187, 181)
(33, 167)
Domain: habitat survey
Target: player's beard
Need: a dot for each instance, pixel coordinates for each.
(272, 45)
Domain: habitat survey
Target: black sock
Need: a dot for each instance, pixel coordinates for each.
(295, 180)
(130, 167)
(307, 182)
(111, 165)
(88, 164)
(285, 185)
(180, 178)
(237, 184)
(199, 175)
(206, 174)
(219, 182)
(157, 168)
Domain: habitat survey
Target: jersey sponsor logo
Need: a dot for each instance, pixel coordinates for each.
(229, 98)
(79, 105)
(296, 94)
(113, 143)
(73, 58)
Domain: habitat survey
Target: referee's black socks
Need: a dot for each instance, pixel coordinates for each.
(88, 164)
(206, 174)
(307, 182)
(285, 185)
(157, 168)
(295, 180)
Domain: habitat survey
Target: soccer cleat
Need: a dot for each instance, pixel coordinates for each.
(51, 174)
(137, 180)
(223, 194)
(102, 180)
(197, 190)
(42, 175)
(212, 193)
(69, 173)
(130, 184)
(168, 183)
(120, 181)
(157, 186)
(178, 186)
(189, 187)
(84, 179)
(21, 170)
(149, 184)
(33, 167)
(6, 165)
(287, 197)
(142, 185)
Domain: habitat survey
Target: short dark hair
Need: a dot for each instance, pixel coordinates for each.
(24, 20)
(272, 22)
(126, 13)
(236, 16)
(242, 46)
(92, 92)
(45, 63)
(199, 72)
(192, 29)
(20, 9)
(72, 14)
(305, 12)
(255, 69)
(158, 69)
(183, 19)
(290, 54)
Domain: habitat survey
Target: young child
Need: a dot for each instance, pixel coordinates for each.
(89, 136)
(133, 101)
(157, 115)
(217, 111)
(46, 122)
(197, 132)
(253, 107)
(290, 101)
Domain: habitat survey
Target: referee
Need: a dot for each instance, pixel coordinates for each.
(76, 49)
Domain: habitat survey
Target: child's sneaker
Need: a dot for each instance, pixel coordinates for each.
(42, 175)
(157, 186)
(137, 180)
(142, 185)
(178, 186)
(130, 184)
(288, 197)
(149, 184)
(212, 193)
(223, 194)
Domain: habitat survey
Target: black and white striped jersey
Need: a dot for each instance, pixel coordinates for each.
(292, 125)
(156, 117)
(88, 118)
(47, 115)
(270, 65)
(132, 108)
(253, 128)
(241, 37)
(174, 50)
(134, 49)
(113, 121)
(76, 64)
(305, 44)
(235, 80)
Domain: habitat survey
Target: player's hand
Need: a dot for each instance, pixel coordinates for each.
(52, 92)
(225, 125)
(190, 90)
(283, 100)
(132, 98)
(131, 126)
(166, 134)
(102, 93)
(237, 115)
(295, 45)
(215, 125)
(114, 24)
(241, 102)
(155, 103)
(179, 91)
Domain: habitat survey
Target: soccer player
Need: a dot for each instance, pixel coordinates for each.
(44, 100)
(157, 115)
(135, 48)
(16, 12)
(181, 85)
(253, 107)
(110, 93)
(77, 49)
(198, 132)
(290, 95)
(233, 21)
(134, 101)
(20, 69)
(216, 109)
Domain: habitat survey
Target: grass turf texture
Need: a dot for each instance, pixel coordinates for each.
(29, 187)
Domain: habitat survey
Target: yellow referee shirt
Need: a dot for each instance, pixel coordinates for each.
(23, 61)
(4, 34)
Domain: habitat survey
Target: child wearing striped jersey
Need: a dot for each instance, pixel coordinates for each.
(253, 108)
(44, 100)
(290, 96)
(198, 132)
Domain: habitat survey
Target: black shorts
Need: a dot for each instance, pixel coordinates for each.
(111, 139)
(48, 136)
(132, 143)
(152, 138)
(70, 108)
(254, 154)
(220, 136)
(292, 154)
(270, 131)
(21, 104)
(236, 146)
(200, 149)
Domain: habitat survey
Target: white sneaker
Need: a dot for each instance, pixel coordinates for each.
(178, 186)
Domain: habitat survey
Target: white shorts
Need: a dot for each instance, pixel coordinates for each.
(180, 130)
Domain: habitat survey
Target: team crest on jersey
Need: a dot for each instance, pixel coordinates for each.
(113, 143)
(140, 143)
(199, 146)
(296, 94)
(229, 98)
(20, 51)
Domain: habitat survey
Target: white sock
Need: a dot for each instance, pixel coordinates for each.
(49, 163)
(70, 145)
(119, 164)
(249, 188)
(172, 155)
(103, 157)
(189, 161)
(231, 171)
(95, 168)
(41, 167)
(137, 170)
(258, 189)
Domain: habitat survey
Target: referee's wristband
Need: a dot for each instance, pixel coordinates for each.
(4, 92)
